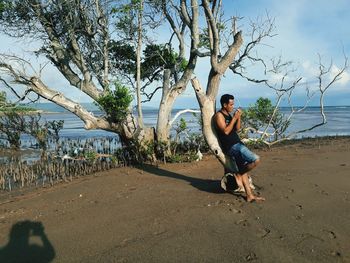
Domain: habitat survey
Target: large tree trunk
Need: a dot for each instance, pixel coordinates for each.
(165, 107)
(138, 64)
(128, 130)
(207, 107)
(163, 126)
(172, 91)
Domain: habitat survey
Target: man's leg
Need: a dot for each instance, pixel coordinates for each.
(244, 170)
(246, 182)
(239, 181)
(247, 161)
(250, 195)
(250, 166)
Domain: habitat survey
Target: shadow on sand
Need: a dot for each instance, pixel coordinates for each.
(27, 243)
(206, 185)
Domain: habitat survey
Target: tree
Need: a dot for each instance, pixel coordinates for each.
(3, 102)
(74, 36)
(263, 113)
(270, 125)
(132, 31)
(12, 125)
(234, 57)
(55, 127)
(162, 63)
(12, 121)
(89, 43)
(219, 63)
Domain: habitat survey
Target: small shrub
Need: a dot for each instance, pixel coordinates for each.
(116, 103)
(261, 114)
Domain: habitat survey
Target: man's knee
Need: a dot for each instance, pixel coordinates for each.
(257, 161)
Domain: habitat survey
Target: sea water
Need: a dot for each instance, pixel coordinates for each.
(338, 121)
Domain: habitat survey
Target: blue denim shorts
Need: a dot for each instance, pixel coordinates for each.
(242, 155)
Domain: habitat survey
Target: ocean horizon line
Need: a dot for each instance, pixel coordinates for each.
(50, 107)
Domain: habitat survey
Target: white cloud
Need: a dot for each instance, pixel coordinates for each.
(309, 69)
(304, 29)
(344, 79)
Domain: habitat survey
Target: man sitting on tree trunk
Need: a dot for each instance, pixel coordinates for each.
(227, 127)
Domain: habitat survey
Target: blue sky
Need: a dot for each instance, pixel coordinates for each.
(304, 29)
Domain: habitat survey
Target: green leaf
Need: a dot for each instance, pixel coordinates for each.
(116, 103)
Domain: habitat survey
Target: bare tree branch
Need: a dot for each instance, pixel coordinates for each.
(179, 113)
(281, 91)
(213, 35)
(150, 95)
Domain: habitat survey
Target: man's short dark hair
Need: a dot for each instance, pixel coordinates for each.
(226, 99)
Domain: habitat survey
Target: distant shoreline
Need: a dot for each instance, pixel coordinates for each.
(2, 113)
(31, 112)
(49, 107)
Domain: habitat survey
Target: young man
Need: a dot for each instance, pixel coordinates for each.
(227, 127)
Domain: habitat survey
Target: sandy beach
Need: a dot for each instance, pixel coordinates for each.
(179, 213)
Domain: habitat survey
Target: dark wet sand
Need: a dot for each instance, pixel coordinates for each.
(178, 213)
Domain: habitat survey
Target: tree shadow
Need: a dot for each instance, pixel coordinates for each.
(206, 185)
(27, 243)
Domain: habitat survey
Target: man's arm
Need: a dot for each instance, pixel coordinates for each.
(221, 124)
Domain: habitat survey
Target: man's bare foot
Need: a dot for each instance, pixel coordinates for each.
(254, 198)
